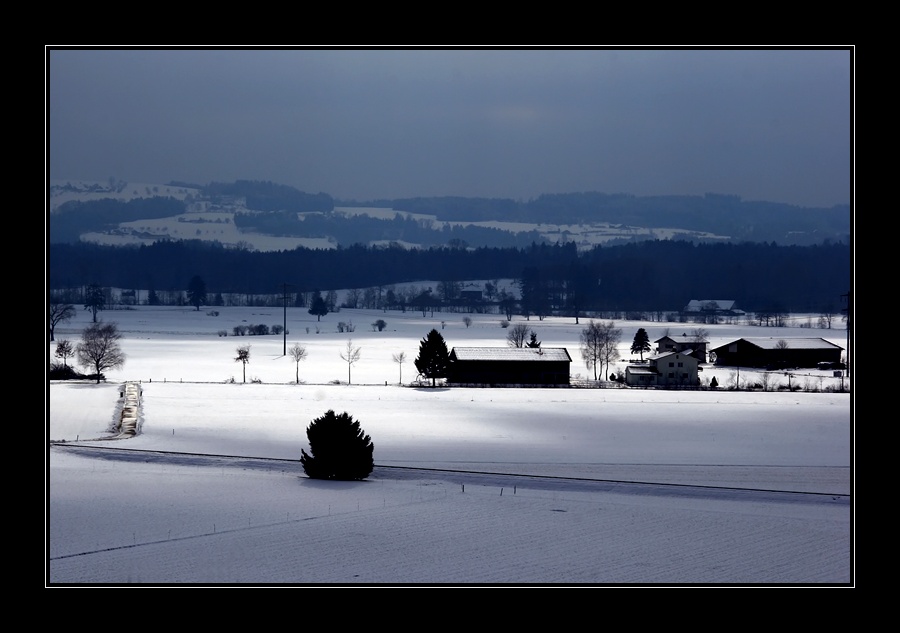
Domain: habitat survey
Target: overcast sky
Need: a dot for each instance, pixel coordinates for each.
(771, 125)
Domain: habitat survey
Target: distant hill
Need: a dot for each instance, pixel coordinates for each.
(266, 216)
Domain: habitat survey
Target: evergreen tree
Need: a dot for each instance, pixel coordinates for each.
(641, 343)
(319, 308)
(533, 342)
(339, 449)
(196, 292)
(94, 300)
(434, 359)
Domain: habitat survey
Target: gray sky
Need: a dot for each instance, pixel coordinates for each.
(771, 125)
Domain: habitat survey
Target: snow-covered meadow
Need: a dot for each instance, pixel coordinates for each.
(471, 486)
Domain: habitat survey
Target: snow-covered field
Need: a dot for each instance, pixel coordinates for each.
(471, 486)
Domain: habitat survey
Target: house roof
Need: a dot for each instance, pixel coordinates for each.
(641, 370)
(530, 354)
(773, 342)
(682, 340)
(684, 352)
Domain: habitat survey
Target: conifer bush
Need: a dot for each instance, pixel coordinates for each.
(339, 449)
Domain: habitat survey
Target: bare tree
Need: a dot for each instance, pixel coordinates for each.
(591, 346)
(350, 356)
(468, 321)
(59, 312)
(99, 348)
(400, 358)
(297, 353)
(64, 350)
(516, 335)
(825, 320)
(699, 335)
(243, 356)
(610, 337)
(508, 304)
(599, 345)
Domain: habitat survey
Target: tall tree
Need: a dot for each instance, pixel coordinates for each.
(350, 356)
(64, 350)
(515, 336)
(591, 346)
(59, 312)
(433, 360)
(196, 292)
(610, 336)
(641, 343)
(400, 358)
(94, 300)
(243, 357)
(318, 307)
(535, 293)
(508, 304)
(99, 348)
(297, 353)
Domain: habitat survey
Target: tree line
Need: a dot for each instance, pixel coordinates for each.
(656, 275)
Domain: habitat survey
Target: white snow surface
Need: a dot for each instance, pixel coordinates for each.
(472, 487)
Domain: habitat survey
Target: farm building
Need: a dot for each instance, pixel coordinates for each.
(668, 369)
(713, 307)
(685, 344)
(777, 353)
(509, 366)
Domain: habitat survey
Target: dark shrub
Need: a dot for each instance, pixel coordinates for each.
(339, 449)
(59, 371)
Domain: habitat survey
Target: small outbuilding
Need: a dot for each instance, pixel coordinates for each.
(509, 366)
(777, 353)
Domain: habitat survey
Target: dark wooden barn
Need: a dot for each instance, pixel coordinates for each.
(776, 353)
(509, 366)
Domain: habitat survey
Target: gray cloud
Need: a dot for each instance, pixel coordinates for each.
(365, 124)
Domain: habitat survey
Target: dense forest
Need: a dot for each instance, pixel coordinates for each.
(659, 275)
(740, 220)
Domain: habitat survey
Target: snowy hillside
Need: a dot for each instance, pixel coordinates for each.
(205, 220)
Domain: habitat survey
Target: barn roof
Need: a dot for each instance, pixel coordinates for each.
(529, 354)
(773, 342)
(699, 305)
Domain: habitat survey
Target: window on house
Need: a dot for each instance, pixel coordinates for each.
(681, 364)
(671, 364)
(671, 374)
